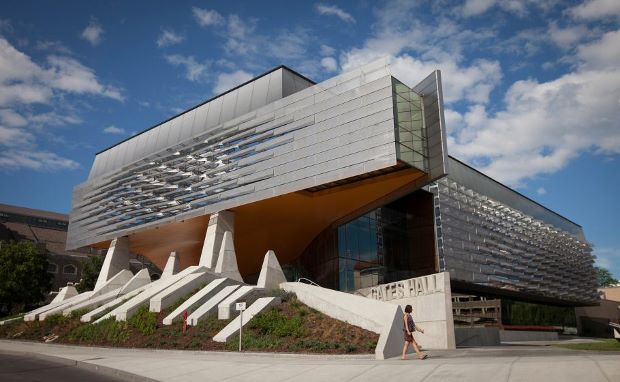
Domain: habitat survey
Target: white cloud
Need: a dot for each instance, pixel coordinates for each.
(53, 46)
(113, 130)
(241, 38)
(609, 258)
(206, 17)
(517, 7)
(35, 160)
(12, 137)
(11, 118)
(329, 63)
(169, 37)
(93, 32)
(194, 70)
(332, 10)
(327, 50)
(23, 82)
(536, 127)
(226, 81)
(69, 75)
(596, 9)
(603, 53)
(541, 191)
(569, 36)
(545, 125)
(477, 7)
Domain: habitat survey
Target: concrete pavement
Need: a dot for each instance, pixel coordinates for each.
(506, 363)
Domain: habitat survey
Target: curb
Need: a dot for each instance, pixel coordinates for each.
(102, 370)
(194, 353)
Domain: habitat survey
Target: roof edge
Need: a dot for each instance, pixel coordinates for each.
(207, 101)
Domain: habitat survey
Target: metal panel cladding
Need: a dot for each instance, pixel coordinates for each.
(334, 130)
(486, 235)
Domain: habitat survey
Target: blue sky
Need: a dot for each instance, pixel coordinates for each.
(532, 88)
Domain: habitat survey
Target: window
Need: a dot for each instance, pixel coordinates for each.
(52, 268)
(69, 269)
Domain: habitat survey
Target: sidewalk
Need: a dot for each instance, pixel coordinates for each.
(505, 363)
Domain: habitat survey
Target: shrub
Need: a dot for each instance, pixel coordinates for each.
(144, 321)
(274, 323)
(56, 319)
(110, 330)
(251, 341)
(76, 314)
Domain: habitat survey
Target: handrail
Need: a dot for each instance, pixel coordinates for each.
(307, 281)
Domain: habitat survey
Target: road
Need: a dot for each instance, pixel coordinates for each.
(18, 368)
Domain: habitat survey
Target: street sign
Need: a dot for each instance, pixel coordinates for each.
(240, 306)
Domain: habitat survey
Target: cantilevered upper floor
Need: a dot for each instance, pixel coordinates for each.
(276, 134)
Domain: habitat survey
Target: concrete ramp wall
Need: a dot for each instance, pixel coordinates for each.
(373, 315)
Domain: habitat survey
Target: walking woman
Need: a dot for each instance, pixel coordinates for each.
(408, 328)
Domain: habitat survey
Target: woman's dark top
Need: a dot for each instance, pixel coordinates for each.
(410, 324)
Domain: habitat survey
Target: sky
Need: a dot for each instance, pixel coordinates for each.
(531, 87)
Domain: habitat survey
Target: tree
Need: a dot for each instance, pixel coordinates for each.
(90, 273)
(24, 279)
(605, 278)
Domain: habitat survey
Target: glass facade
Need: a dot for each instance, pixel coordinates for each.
(410, 131)
(387, 244)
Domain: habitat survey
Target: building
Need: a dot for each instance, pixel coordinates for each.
(594, 321)
(49, 231)
(348, 181)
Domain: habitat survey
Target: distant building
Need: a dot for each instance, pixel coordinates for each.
(49, 231)
(594, 320)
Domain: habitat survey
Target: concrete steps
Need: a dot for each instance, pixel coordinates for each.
(233, 327)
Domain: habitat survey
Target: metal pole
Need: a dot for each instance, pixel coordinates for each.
(240, 328)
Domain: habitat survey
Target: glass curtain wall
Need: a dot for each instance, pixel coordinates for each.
(391, 243)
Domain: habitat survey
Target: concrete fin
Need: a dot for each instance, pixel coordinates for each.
(198, 299)
(117, 281)
(219, 223)
(224, 309)
(103, 309)
(210, 305)
(233, 327)
(65, 294)
(227, 259)
(390, 342)
(271, 275)
(173, 266)
(141, 278)
(55, 309)
(116, 259)
(170, 295)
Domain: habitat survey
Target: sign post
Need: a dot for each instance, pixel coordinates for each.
(240, 307)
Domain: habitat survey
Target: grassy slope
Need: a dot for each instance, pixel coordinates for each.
(600, 345)
(289, 327)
